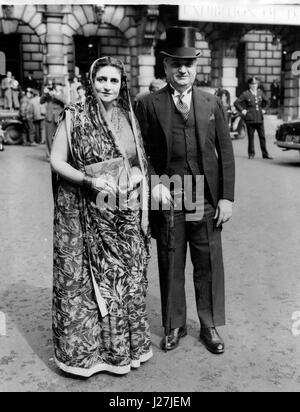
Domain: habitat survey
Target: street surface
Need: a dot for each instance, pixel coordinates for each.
(262, 260)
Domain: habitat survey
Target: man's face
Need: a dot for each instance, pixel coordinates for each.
(181, 73)
(254, 86)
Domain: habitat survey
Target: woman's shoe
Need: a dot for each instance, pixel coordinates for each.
(1, 147)
(251, 156)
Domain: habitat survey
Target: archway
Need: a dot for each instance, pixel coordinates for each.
(11, 46)
(105, 40)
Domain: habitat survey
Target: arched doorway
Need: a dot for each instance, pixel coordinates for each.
(87, 49)
(11, 46)
(105, 40)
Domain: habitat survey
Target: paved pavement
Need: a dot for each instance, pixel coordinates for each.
(262, 259)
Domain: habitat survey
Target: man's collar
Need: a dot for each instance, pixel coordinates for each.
(177, 93)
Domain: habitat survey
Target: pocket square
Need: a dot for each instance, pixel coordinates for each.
(212, 117)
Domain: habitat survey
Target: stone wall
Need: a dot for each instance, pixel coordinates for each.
(111, 43)
(32, 51)
(116, 31)
(204, 61)
(263, 59)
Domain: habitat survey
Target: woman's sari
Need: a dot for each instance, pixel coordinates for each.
(100, 258)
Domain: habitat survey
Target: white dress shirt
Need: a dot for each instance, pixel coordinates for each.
(186, 96)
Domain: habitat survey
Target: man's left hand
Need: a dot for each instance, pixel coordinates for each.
(223, 212)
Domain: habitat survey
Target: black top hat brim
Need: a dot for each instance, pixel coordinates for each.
(180, 43)
(181, 53)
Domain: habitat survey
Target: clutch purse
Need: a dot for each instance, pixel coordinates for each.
(112, 168)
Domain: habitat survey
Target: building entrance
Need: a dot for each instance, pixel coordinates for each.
(87, 49)
(10, 45)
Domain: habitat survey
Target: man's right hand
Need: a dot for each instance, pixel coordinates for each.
(161, 194)
(244, 112)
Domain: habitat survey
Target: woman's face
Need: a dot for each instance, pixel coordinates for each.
(108, 84)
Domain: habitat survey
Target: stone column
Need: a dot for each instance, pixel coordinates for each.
(147, 19)
(224, 65)
(55, 63)
(291, 104)
(146, 65)
(229, 79)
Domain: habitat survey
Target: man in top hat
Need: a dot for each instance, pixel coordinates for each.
(186, 134)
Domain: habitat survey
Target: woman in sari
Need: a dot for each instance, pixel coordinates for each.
(100, 253)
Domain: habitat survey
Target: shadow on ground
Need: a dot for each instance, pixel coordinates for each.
(29, 308)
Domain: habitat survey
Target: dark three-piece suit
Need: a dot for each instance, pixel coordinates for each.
(200, 145)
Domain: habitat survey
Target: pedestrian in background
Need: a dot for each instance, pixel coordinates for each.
(275, 94)
(15, 87)
(29, 81)
(74, 89)
(100, 253)
(156, 84)
(39, 111)
(6, 86)
(26, 115)
(55, 101)
(252, 104)
(81, 92)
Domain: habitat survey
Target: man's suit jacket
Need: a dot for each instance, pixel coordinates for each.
(154, 113)
(247, 101)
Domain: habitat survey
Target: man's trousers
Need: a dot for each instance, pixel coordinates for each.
(204, 240)
(259, 127)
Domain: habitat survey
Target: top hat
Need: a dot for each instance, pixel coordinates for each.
(180, 43)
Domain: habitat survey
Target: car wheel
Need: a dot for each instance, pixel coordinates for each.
(13, 135)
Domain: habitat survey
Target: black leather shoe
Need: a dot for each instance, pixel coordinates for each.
(267, 157)
(212, 340)
(173, 339)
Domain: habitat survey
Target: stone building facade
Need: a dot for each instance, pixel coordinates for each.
(57, 41)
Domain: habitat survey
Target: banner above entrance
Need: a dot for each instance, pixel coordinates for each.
(242, 12)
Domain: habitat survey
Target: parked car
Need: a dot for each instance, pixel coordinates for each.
(288, 135)
(13, 130)
(12, 127)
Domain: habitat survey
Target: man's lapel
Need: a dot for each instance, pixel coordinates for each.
(163, 108)
(202, 115)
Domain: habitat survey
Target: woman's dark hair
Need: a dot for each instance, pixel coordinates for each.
(118, 64)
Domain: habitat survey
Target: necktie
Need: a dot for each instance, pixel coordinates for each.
(182, 108)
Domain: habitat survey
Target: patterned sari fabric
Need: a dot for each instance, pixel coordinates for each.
(111, 245)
